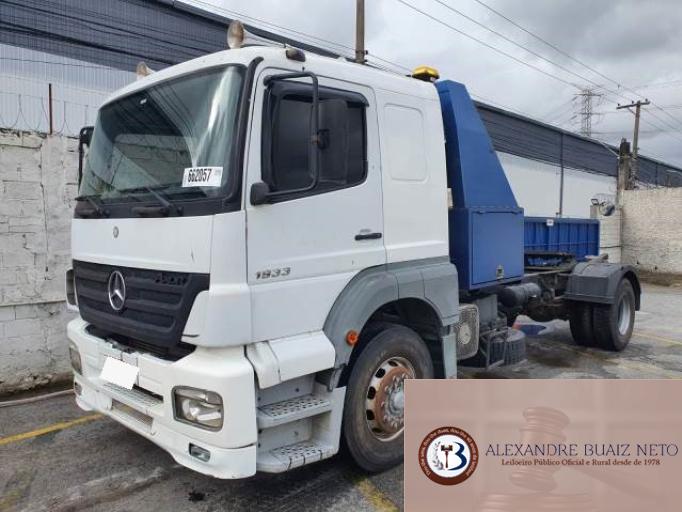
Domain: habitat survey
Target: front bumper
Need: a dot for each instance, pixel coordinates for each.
(148, 409)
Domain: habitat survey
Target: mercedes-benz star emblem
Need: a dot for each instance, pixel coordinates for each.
(115, 231)
(117, 290)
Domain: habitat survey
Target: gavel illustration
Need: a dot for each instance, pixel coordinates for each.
(546, 425)
(446, 448)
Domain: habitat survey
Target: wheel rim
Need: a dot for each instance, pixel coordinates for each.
(385, 398)
(624, 314)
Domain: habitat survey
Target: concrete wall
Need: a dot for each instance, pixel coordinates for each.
(38, 181)
(652, 229)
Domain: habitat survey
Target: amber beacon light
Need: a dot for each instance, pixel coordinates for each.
(426, 73)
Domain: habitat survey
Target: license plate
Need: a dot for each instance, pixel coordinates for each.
(119, 373)
(202, 177)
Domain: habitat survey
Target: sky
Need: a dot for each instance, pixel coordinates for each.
(625, 50)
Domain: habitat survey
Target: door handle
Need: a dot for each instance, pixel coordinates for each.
(368, 236)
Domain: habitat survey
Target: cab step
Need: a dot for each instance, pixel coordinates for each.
(293, 409)
(291, 456)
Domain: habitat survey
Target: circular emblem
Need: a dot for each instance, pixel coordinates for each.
(448, 456)
(117, 290)
(115, 231)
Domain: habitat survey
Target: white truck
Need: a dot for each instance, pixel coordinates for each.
(262, 255)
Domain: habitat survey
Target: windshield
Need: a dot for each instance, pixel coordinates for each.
(175, 138)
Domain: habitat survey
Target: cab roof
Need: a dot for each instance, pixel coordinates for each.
(338, 68)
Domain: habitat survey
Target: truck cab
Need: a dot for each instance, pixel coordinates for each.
(243, 217)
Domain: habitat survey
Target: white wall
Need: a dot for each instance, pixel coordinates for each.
(537, 187)
(38, 177)
(652, 229)
(579, 189)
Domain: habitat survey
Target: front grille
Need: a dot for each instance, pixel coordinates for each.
(156, 307)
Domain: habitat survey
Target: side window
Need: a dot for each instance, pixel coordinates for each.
(288, 146)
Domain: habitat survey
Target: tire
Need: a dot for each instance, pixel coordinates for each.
(372, 447)
(580, 320)
(614, 323)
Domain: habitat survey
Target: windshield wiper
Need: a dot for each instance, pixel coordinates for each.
(97, 209)
(166, 207)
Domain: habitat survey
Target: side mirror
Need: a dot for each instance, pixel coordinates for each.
(260, 193)
(85, 135)
(84, 138)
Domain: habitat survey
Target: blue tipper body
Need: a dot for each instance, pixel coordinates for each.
(579, 237)
(486, 224)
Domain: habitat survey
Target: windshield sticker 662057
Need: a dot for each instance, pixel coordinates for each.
(202, 177)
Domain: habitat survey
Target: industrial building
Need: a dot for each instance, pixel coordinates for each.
(86, 49)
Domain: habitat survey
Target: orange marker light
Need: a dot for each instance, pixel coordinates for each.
(352, 337)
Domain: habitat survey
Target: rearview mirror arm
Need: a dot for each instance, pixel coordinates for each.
(314, 161)
(84, 138)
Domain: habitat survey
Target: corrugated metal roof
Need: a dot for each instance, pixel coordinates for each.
(522, 136)
(119, 33)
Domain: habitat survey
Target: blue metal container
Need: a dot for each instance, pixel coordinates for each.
(579, 237)
(486, 223)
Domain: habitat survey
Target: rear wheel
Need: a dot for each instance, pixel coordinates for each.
(373, 417)
(580, 320)
(614, 323)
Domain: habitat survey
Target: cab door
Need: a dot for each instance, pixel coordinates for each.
(317, 229)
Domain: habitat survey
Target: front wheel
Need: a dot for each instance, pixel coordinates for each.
(613, 324)
(374, 412)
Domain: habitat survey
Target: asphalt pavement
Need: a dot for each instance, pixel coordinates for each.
(55, 457)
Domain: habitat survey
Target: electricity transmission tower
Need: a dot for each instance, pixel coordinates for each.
(588, 100)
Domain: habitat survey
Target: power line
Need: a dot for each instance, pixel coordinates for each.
(317, 39)
(569, 56)
(508, 55)
(491, 47)
(518, 45)
(93, 66)
(238, 15)
(563, 68)
(547, 43)
(497, 104)
(394, 64)
(559, 109)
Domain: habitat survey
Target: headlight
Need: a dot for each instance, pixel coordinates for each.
(198, 407)
(75, 357)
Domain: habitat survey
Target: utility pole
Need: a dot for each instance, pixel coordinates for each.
(624, 170)
(586, 111)
(360, 32)
(637, 105)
